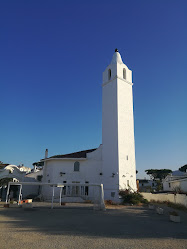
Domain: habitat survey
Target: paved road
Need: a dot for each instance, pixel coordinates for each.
(74, 228)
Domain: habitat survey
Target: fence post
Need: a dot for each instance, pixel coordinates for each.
(52, 197)
(7, 193)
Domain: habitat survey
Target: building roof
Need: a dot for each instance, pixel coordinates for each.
(79, 154)
(173, 179)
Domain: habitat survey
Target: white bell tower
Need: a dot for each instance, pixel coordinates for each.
(118, 152)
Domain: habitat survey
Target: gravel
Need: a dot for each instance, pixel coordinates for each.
(79, 226)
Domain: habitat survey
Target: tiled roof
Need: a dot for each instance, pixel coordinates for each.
(79, 154)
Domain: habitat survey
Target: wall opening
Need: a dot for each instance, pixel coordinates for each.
(76, 166)
(124, 73)
(109, 74)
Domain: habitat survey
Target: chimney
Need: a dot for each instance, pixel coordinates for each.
(46, 153)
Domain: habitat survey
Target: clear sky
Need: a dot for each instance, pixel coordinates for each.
(52, 55)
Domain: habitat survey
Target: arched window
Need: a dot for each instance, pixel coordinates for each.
(109, 74)
(124, 73)
(76, 166)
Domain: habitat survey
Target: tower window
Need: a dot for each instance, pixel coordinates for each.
(109, 74)
(76, 166)
(124, 73)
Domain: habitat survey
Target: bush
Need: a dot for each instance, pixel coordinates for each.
(132, 198)
(109, 202)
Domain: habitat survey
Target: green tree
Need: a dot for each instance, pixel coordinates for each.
(158, 173)
(183, 168)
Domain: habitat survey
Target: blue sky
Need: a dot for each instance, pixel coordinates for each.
(52, 55)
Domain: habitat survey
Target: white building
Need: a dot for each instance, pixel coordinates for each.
(176, 181)
(24, 169)
(113, 162)
(13, 173)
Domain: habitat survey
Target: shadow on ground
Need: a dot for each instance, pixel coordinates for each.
(127, 222)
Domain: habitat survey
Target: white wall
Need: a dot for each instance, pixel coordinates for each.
(90, 169)
(178, 198)
(172, 185)
(126, 147)
(110, 137)
(35, 174)
(183, 185)
(118, 129)
(30, 189)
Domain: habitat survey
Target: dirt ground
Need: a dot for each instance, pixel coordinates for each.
(79, 226)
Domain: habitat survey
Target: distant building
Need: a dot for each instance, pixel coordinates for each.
(13, 173)
(175, 182)
(24, 169)
(147, 185)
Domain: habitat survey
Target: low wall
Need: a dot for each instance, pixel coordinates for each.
(175, 198)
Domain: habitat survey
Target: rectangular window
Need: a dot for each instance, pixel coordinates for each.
(169, 185)
(68, 190)
(127, 182)
(75, 189)
(76, 166)
(112, 194)
(86, 190)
